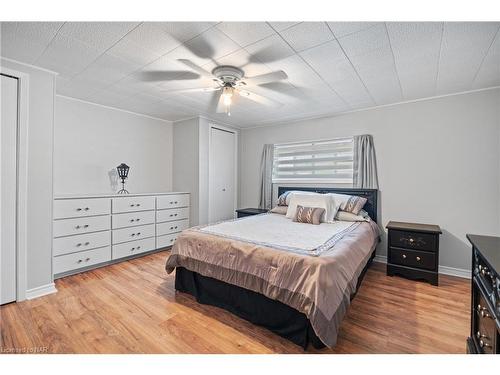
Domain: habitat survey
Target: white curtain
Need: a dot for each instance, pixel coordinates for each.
(266, 174)
(365, 163)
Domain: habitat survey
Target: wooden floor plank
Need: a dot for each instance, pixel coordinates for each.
(132, 307)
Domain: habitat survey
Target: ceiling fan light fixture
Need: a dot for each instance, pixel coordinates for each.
(227, 95)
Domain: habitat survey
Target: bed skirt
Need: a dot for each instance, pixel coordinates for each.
(258, 309)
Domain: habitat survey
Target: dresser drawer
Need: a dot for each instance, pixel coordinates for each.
(412, 258)
(413, 240)
(134, 233)
(80, 242)
(134, 247)
(171, 227)
(69, 262)
(68, 208)
(132, 219)
(68, 227)
(172, 201)
(172, 215)
(166, 240)
(131, 204)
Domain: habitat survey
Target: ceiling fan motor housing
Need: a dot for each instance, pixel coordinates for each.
(228, 74)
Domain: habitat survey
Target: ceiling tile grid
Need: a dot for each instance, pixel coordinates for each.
(331, 67)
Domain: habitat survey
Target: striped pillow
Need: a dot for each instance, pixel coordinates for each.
(308, 215)
(353, 204)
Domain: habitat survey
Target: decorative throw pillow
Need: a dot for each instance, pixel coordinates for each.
(348, 216)
(314, 200)
(282, 198)
(279, 210)
(308, 215)
(349, 203)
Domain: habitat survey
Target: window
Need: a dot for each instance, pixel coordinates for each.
(329, 161)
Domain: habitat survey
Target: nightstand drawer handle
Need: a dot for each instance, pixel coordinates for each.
(479, 335)
(418, 259)
(483, 344)
(404, 256)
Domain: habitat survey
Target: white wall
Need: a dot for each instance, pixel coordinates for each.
(185, 163)
(438, 162)
(91, 140)
(39, 174)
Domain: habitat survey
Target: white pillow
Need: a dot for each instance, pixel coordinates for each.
(325, 201)
(348, 216)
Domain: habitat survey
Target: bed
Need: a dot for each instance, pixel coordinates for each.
(277, 273)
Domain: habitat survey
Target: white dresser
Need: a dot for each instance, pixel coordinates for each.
(93, 231)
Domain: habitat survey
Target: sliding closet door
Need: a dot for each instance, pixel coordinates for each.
(8, 178)
(222, 175)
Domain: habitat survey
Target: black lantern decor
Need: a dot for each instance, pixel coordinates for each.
(123, 174)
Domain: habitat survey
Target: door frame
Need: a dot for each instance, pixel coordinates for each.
(211, 126)
(22, 178)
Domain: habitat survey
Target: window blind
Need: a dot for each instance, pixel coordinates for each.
(329, 161)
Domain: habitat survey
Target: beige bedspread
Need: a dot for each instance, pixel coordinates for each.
(319, 286)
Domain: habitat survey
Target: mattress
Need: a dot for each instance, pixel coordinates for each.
(311, 268)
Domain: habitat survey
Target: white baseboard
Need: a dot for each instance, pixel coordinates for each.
(41, 291)
(443, 270)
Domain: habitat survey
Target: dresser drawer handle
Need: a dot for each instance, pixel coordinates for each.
(132, 249)
(86, 226)
(86, 208)
(418, 259)
(79, 244)
(132, 220)
(77, 227)
(87, 259)
(176, 202)
(171, 202)
(79, 261)
(78, 209)
(172, 239)
(87, 243)
(404, 256)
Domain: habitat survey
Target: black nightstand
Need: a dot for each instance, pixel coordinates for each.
(413, 251)
(242, 212)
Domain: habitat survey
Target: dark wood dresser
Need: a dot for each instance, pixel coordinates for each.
(485, 302)
(242, 212)
(413, 251)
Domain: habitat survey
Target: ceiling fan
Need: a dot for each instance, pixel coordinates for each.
(229, 82)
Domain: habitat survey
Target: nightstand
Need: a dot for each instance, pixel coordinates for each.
(242, 212)
(413, 251)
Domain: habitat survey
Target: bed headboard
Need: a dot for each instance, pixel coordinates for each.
(370, 194)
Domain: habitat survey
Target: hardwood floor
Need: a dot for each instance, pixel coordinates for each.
(132, 307)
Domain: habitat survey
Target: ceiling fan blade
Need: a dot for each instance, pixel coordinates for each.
(284, 89)
(196, 68)
(172, 75)
(258, 98)
(266, 78)
(203, 89)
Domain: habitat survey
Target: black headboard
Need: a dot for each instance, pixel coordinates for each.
(370, 194)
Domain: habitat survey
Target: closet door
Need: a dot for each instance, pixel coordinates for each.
(222, 175)
(8, 189)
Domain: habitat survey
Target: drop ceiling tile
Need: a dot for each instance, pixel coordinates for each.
(365, 41)
(307, 34)
(269, 50)
(39, 32)
(489, 73)
(341, 29)
(329, 61)
(280, 26)
(416, 47)
(151, 36)
(299, 73)
(183, 31)
(108, 68)
(464, 47)
(128, 50)
(212, 44)
(67, 56)
(245, 33)
(100, 35)
(26, 41)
